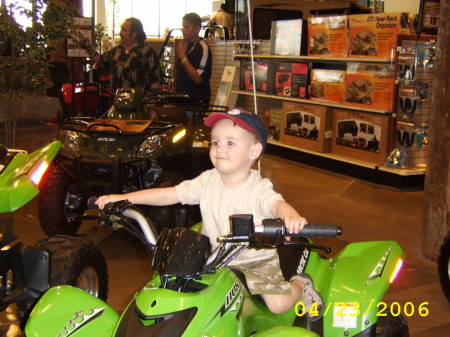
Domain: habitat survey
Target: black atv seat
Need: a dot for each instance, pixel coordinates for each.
(171, 114)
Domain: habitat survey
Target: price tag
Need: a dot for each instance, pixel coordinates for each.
(430, 16)
(345, 315)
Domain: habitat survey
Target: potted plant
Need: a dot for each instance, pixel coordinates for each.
(24, 52)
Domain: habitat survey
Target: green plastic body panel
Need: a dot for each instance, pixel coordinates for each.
(69, 311)
(16, 188)
(284, 331)
(358, 274)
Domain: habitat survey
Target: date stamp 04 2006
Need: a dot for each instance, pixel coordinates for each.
(345, 314)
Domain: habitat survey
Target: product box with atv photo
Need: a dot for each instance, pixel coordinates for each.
(288, 79)
(260, 78)
(369, 85)
(306, 126)
(287, 37)
(375, 35)
(328, 36)
(327, 85)
(361, 135)
(272, 121)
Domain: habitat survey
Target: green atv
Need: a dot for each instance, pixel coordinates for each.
(139, 143)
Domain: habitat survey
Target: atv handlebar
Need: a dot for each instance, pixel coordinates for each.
(275, 230)
(120, 212)
(272, 229)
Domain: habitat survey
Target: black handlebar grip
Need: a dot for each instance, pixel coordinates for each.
(91, 202)
(319, 231)
(275, 230)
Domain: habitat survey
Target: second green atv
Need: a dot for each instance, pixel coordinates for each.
(137, 144)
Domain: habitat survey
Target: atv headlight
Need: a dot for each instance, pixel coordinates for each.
(151, 144)
(178, 136)
(71, 140)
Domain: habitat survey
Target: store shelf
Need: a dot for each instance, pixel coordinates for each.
(309, 101)
(316, 58)
(398, 178)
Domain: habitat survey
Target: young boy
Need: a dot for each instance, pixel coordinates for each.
(238, 139)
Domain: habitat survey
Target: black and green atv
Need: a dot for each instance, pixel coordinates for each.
(138, 143)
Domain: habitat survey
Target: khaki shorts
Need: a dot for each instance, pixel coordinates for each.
(265, 277)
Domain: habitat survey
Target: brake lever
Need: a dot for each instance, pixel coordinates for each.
(258, 244)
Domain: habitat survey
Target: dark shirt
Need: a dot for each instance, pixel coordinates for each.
(138, 69)
(199, 55)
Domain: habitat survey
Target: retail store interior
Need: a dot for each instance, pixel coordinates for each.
(340, 151)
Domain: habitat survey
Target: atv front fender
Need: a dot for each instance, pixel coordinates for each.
(355, 283)
(63, 310)
(286, 331)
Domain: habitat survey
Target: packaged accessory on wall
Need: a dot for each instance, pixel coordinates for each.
(405, 138)
(406, 67)
(412, 136)
(397, 158)
(407, 100)
(422, 137)
(426, 54)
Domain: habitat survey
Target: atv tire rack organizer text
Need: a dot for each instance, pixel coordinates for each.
(412, 178)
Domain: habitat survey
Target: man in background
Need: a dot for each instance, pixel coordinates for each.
(224, 19)
(194, 61)
(133, 63)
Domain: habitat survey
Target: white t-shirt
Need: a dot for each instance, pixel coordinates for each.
(218, 202)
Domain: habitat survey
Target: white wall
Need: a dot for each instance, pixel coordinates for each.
(411, 6)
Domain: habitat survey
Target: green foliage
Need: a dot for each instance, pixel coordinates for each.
(99, 34)
(24, 50)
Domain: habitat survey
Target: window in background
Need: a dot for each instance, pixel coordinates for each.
(15, 7)
(155, 15)
(87, 8)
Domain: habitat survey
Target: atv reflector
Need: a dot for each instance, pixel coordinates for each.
(179, 135)
(396, 270)
(36, 176)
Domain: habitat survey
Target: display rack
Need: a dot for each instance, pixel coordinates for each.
(308, 101)
(315, 58)
(405, 179)
(411, 178)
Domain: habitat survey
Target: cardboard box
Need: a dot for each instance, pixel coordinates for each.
(361, 135)
(375, 35)
(327, 85)
(369, 85)
(286, 37)
(288, 79)
(272, 121)
(306, 126)
(246, 76)
(328, 36)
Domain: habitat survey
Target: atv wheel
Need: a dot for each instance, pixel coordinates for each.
(75, 261)
(444, 267)
(58, 200)
(390, 326)
(175, 215)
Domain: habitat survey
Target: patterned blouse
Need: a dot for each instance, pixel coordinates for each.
(137, 69)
